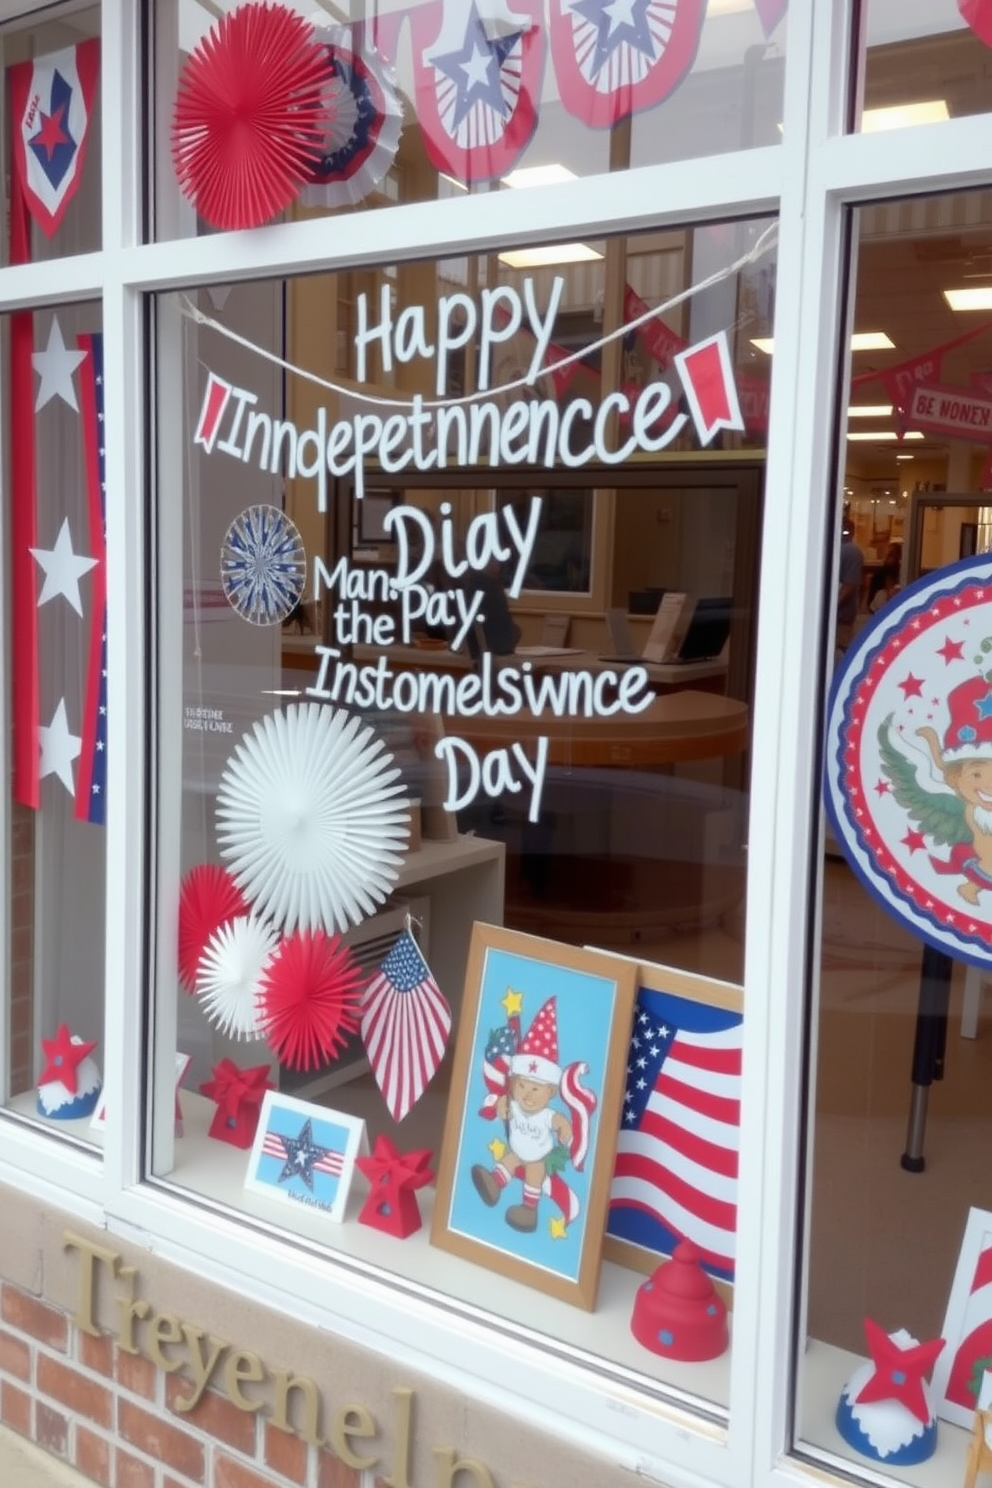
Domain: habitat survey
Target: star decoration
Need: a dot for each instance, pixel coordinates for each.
(983, 706)
(58, 749)
(911, 686)
(64, 1055)
(302, 1155)
(913, 840)
(232, 1086)
(951, 650)
(617, 21)
(63, 569)
(882, 787)
(513, 1002)
(898, 1371)
(408, 1170)
(498, 1149)
(557, 1227)
(51, 132)
(475, 68)
(55, 366)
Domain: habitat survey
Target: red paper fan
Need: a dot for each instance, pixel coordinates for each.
(207, 899)
(309, 999)
(248, 118)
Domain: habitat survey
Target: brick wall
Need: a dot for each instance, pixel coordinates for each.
(111, 1415)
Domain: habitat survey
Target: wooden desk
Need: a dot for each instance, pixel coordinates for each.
(686, 725)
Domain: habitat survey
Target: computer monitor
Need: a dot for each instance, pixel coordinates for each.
(708, 629)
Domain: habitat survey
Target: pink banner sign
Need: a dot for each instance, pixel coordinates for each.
(951, 411)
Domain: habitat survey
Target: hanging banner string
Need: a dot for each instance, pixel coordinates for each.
(764, 244)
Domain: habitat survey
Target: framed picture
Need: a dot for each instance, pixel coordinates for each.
(675, 1173)
(534, 1110)
(305, 1154)
(958, 1375)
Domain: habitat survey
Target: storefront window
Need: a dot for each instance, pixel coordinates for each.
(56, 659)
(53, 136)
(924, 61)
(485, 682)
(432, 100)
(898, 1108)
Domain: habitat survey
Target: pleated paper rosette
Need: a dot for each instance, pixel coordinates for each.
(311, 818)
(230, 975)
(310, 999)
(362, 122)
(246, 125)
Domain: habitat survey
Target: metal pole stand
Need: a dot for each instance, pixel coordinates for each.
(928, 1049)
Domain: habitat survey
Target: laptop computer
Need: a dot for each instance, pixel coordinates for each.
(624, 649)
(708, 630)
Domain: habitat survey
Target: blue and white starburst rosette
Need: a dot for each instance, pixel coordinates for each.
(263, 565)
(312, 819)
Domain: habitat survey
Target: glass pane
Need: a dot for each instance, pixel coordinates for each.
(53, 480)
(902, 1065)
(52, 128)
(924, 60)
(439, 98)
(535, 586)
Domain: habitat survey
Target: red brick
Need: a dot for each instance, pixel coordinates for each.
(286, 1454)
(166, 1443)
(51, 1429)
(214, 1416)
(136, 1374)
(15, 1356)
(29, 1315)
(333, 1473)
(78, 1393)
(93, 1456)
(97, 1353)
(15, 1408)
(131, 1472)
(231, 1474)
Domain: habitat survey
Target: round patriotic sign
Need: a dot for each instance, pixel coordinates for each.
(263, 565)
(909, 758)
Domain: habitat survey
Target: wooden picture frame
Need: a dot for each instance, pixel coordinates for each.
(538, 1065)
(967, 1329)
(675, 1171)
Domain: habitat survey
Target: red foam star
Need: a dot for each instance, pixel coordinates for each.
(64, 1058)
(388, 1165)
(51, 132)
(898, 1373)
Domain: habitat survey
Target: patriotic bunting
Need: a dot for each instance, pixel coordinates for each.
(91, 786)
(478, 71)
(52, 101)
(612, 60)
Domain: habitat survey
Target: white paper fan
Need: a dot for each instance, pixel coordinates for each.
(311, 818)
(230, 971)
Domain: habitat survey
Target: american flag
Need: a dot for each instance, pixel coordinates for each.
(675, 1175)
(405, 1025)
(91, 781)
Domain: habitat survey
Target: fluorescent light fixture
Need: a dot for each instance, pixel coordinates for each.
(977, 298)
(928, 111)
(551, 253)
(538, 175)
(728, 7)
(905, 457)
(860, 341)
(881, 435)
(869, 410)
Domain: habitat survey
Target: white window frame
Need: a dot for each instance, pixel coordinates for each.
(810, 179)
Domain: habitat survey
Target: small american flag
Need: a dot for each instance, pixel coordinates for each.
(405, 1025)
(675, 1175)
(91, 781)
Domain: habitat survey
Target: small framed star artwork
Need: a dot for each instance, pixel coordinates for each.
(534, 1111)
(960, 1373)
(305, 1154)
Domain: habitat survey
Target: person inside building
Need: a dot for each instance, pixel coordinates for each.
(850, 571)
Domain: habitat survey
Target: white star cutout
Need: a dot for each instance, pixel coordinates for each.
(476, 69)
(59, 748)
(55, 366)
(63, 569)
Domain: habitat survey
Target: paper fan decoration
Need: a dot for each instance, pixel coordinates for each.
(311, 818)
(263, 565)
(231, 967)
(208, 898)
(248, 115)
(405, 1025)
(310, 999)
(361, 126)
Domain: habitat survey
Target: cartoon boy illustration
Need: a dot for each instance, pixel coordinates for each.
(539, 1138)
(952, 803)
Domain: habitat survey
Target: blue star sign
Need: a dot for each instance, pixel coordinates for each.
(475, 69)
(302, 1156)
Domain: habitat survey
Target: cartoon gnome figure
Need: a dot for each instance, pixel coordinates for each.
(537, 1134)
(947, 791)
